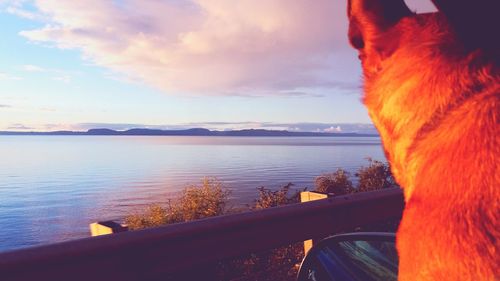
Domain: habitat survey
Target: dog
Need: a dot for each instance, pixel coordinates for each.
(432, 89)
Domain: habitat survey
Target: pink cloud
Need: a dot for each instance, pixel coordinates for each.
(207, 47)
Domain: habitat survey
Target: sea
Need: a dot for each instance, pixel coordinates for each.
(53, 187)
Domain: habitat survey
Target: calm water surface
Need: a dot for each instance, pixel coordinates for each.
(52, 187)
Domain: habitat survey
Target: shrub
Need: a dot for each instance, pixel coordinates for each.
(376, 176)
(195, 202)
(155, 215)
(269, 198)
(337, 183)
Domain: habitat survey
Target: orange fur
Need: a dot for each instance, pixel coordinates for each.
(436, 105)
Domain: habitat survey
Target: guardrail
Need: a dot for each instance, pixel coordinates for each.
(157, 253)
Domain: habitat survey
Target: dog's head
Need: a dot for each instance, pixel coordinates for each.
(415, 65)
(377, 28)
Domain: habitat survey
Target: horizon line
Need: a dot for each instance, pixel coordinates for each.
(194, 131)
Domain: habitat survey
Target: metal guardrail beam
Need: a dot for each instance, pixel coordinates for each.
(155, 253)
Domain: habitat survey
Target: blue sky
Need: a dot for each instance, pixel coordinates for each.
(177, 64)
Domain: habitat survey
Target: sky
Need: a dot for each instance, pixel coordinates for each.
(174, 64)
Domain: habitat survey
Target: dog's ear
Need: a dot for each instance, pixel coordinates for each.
(476, 22)
(368, 19)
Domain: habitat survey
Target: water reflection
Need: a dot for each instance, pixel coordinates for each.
(52, 187)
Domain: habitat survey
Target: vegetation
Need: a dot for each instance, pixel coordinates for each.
(155, 215)
(376, 176)
(210, 198)
(269, 198)
(336, 183)
(195, 202)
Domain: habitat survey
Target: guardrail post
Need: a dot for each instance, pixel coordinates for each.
(106, 227)
(306, 196)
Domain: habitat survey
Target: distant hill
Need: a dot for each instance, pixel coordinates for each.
(189, 132)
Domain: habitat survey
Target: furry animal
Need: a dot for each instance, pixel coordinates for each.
(432, 89)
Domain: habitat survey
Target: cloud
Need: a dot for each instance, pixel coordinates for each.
(47, 109)
(62, 78)
(33, 68)
(207, 47)
(57, 74)
(19, 127)
(17, 11)
(333, 129)
(326, 127)
(6, 76)
(217, 47)
(300, 94)
(264, 93)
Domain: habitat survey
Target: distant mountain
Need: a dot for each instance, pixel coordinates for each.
(190, 132)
